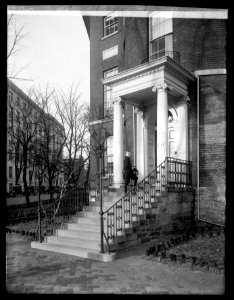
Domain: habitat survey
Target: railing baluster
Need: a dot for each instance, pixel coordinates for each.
(172, 172)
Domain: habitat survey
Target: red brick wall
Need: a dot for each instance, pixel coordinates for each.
(212, 147)
(132, 41)
(200, 42)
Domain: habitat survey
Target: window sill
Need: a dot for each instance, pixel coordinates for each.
(105, 37)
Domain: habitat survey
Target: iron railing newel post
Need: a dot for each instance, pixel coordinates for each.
(39, 211)
(101, 212)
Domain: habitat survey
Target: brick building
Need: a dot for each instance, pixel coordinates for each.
(158, 89)
(26, 116)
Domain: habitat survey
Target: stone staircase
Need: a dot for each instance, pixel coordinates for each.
(129, 219)
(81, 236)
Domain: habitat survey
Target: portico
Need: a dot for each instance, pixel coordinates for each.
(158, 93)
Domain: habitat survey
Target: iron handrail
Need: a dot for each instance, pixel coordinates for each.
(127, 209)
(76, 199)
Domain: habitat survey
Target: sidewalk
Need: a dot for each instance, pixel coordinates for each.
(36, 271)
(22, 199)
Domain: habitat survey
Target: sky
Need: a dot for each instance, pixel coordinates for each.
(56, 48)
(55, 51)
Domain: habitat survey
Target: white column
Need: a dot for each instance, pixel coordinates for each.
(118, 143)
(140, 143)
(182, 129)
(162, 122)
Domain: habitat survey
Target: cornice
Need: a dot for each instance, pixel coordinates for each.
(136, 72)
(165, 63)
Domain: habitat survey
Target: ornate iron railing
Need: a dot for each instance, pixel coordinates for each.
(170, 174)
(179, 174)
(59, 212)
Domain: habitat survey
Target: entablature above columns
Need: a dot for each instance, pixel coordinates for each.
(146, 78)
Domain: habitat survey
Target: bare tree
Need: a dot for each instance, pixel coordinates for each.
(52, 135)
(15, 34)
(74, 117)
(22, 132)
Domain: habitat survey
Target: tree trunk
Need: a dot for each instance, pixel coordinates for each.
(26, 186)
(25, 179)
(51, 188)
(88, 171)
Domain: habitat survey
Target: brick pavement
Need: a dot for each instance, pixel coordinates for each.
(36, 271)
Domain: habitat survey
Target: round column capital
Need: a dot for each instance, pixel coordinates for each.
(161, 87)
(138, 111)
(117, 100)
(185, 99)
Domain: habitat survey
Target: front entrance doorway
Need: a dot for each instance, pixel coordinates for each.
(151, 138)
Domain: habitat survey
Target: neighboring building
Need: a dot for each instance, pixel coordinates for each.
(158, 88)
(24, 112)
(75, 169)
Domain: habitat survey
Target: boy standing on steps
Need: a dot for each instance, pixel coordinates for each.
(128, 171)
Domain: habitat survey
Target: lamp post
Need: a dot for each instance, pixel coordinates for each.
(38, 164)
(99, 148)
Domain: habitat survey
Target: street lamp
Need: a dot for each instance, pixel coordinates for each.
(38, 163)
(99, 148)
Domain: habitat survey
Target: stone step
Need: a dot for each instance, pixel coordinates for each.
(89, 214)
(75, 251)
(84, 220)
(104, 203)
(84, 235)
(93, 208)
(87, 228)
(83, 226)
(72, 238)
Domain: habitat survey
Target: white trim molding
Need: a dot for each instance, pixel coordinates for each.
(210, 72)
(110, 52)
(100, 121)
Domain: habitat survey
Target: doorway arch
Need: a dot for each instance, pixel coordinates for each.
(150, 141)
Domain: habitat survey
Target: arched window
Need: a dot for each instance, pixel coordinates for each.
(171, 133)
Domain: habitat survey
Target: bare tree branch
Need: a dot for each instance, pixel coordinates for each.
(15, 37)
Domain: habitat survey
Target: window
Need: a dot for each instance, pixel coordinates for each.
(10, 122)
(30, 175)
(53, 142)
(160, 37)
(10, 172)
(10, 96)
(24, 106)
(17, 117)
(108, 106)
(11, 141)
(18, 101)
(110, 25)
(171, 134)
(109, 155)
(30, 126)
(10, 155)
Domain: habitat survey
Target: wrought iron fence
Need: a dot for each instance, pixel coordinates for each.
(62, 210)
(172, 173)
(179, 174)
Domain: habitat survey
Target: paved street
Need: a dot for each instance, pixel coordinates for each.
(36, 271)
